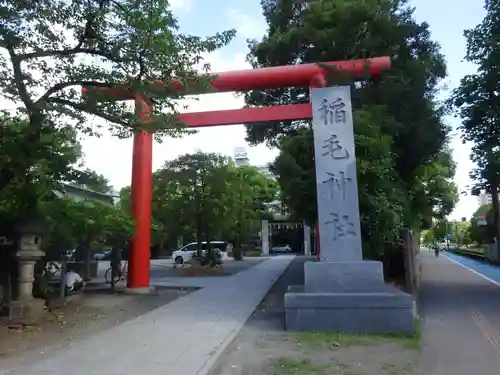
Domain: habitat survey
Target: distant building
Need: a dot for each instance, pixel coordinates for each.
(484, 198)
(264, 169)
(81, 193)
(240, 157)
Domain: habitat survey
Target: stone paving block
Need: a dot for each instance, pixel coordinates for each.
(180, 338)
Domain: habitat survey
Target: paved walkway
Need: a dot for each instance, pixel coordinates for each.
(460, 318)
(184, 337)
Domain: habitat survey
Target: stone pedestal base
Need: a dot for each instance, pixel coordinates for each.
(348, 297)
(27, 311)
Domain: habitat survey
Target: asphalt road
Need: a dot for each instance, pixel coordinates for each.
(460, 309)
(161, 268)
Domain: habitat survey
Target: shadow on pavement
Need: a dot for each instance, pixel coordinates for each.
(270, 314)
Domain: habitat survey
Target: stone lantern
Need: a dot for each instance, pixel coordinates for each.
(29, 239)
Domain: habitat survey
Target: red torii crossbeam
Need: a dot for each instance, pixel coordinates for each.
(240, 80)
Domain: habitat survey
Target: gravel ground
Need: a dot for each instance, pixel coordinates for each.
(164, 268)
(262, 347)
(99, 311)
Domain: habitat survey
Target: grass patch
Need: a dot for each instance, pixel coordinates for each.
(392, 369)
(476, 250)
(291, 366)
(252, 253)
(338, 339)
(469, 254)
(196, 271)
(288, 366)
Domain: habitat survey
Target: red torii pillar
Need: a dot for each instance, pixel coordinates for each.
(241, 80)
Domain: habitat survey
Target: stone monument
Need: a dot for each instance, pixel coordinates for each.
(307, 239)
(342, 292)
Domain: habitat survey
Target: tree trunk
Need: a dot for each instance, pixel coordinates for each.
(199, 222)
(88, 261)
(239, 228)
(199, 234)
(240, 214)
(210, 254)
(496, 215)
(62, 280)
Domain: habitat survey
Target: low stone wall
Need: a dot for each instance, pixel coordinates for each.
(491, 253)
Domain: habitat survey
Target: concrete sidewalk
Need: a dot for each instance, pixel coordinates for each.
(184, 337)
(460, 313)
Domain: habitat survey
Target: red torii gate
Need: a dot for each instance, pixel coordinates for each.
(241, 80)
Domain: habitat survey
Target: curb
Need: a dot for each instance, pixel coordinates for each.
(212, 360)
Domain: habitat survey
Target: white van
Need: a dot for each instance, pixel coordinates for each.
(185, 254)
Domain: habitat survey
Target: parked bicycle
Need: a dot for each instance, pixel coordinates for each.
(123, 276)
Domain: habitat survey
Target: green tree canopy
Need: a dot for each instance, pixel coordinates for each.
(205, 197)
(57, 160)
(84, 225)
(381, 213)
(94, 181)
(253, 194)
(479, 108)
(404, 169)
(482, 228)
(54, 159)
(51, 48)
